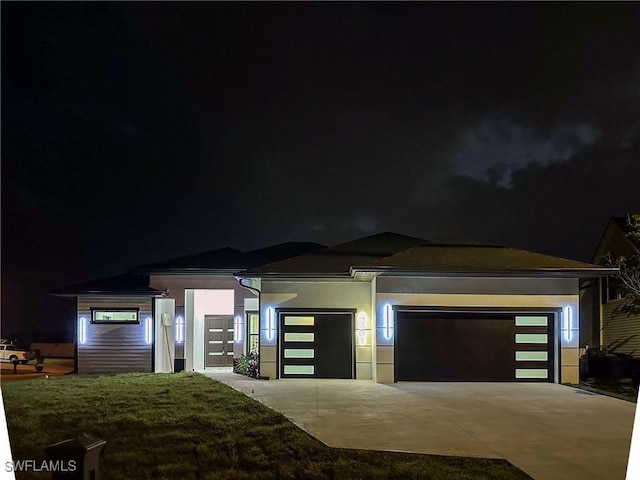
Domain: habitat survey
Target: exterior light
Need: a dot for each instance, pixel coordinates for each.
(179, 329)
(362, 324)
(82, 330)
(387, 321)
(567, 323)
(149, 332)
(270, 327)
(237, 330)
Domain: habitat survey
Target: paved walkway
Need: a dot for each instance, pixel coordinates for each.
(550, 431)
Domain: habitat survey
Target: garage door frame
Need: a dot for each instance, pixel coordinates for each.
(282, 312)
(555, 312)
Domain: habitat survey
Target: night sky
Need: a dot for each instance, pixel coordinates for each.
(133, 133)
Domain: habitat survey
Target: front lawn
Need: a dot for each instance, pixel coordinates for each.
(187, 426)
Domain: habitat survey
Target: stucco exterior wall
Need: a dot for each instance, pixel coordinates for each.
(479, 292)
(320, 295)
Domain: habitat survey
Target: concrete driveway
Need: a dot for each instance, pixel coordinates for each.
(547, 430)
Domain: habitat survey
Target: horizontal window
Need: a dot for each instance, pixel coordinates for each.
(115, 316)
(305, 321)
(299, 369)
(531, 373)
(299, 353)
(299, 337)
(531, 338)
(532, 321)
(532, 356)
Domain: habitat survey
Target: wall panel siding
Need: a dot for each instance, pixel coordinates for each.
(118, 347)
(621, 332)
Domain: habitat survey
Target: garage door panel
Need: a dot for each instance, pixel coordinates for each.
(472, 346)
(318, 345)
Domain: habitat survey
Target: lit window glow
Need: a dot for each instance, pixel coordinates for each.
(149, 332)
(82, 331)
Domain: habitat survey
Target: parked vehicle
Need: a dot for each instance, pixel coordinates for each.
(10, 353)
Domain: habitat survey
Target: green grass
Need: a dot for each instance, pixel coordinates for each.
(188, 426)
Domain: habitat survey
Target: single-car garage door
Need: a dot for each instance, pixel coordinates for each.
(318, 345)
(474, 346)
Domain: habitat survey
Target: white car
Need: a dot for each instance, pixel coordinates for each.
(11, 353)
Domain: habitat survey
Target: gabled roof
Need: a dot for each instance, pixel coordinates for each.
(126, 284)
(389, 253)
(227, 260)
(475, 258)
(339, 259)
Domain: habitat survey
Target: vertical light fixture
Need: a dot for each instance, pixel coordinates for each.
(236, 329)
(387, 321)
(362, 324)
(179, 329)
(270, 323)
(149, 332)
(82, 330)
(567, 323)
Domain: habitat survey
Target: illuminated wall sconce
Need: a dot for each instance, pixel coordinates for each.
(567, 323)
(236, 329)
(388, 321)
(362, 325)
(148, 330)
(82, 330)
(180, 326)
(270, 325)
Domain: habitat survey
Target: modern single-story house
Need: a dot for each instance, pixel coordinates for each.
(602, 322)
(387, 307)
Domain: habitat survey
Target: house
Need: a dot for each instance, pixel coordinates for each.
(387, 307)
(153, 317)
(603, 324)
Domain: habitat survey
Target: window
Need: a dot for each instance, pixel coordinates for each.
(115, 315)
(253, 332)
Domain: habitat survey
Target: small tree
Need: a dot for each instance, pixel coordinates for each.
(629, 266)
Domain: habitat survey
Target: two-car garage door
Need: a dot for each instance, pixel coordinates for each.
(474, 346)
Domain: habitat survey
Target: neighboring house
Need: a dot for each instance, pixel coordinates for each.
(602, 323)
(386, 307)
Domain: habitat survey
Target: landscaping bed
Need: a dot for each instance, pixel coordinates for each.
(187, 426)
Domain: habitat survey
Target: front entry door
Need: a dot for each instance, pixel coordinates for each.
(218, 341)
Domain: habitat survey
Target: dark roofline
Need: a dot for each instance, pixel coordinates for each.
(191, 271)
(111, 293)
(404, 271)
(533, 272)
(124, 285)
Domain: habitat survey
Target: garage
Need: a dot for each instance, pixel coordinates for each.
(472, 346)
(316, 344)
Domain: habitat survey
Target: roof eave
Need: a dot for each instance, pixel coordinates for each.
(296, 276)
(190, 271)
(507, 272)
(156, 293)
